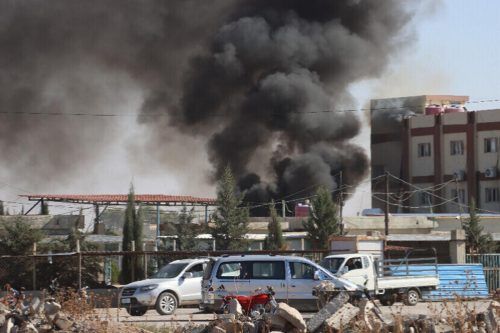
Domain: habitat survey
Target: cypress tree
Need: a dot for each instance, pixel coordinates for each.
(2, 211)
(323, 219)
(128, 237)
(476, 240)
(274, 239)
(230, 218)
(186, 233)
(137, 233)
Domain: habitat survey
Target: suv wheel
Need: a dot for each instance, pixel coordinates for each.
(166, 303)
(137, 311)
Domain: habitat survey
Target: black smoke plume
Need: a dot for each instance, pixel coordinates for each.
(272, 73)
(253, 77)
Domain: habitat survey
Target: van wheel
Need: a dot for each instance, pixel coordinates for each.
(166, 303)
(411, 297)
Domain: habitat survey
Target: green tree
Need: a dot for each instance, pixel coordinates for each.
(186, 230)
(17, 239)
(128, 237)
(132, 265)
(274, 239)
(137, 232)
(230, 218)
(44, 208)
(2, 211)
(323, 219)
(476, 240)
(65, 269)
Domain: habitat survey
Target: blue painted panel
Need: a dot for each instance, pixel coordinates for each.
(465, 281)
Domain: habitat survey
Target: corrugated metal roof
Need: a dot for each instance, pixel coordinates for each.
(119, 198)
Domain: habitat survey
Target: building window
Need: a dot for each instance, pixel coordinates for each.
(424, 149)
(492, 194)
(490, 145)
(424, 198)
(457, 147)
(458, 196)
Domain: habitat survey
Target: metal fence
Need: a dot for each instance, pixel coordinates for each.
(101, 269)
(491, 266)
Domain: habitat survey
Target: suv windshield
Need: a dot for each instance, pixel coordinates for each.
(169, 271)
(332, 264)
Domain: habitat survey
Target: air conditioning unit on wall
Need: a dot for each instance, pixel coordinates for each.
(490, 172)
(459, 175)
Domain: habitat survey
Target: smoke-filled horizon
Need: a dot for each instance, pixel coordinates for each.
(243, 76)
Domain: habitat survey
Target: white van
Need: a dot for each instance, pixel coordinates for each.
(292, 279)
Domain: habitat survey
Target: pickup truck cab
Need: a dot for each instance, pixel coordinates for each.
(388, 280)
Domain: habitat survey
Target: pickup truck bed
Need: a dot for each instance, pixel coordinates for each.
(395, 282)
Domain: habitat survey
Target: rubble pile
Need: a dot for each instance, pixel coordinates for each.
(47, 317)
(342, 314)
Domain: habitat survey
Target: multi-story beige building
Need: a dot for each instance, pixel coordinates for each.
(440, 146)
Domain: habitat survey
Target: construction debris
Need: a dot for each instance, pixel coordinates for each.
(32, 317)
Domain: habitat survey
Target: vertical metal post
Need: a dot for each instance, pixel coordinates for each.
(34, 266)
(79, 255)
(460, 208)
(341, 208)
(386, 215)
(96, 221)
(133, 260)
(283, 208)
(145, 261)
(213, 244)
(174, 244)
(157, 221)
(206, 214)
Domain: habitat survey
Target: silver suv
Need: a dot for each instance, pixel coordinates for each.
(176, 284)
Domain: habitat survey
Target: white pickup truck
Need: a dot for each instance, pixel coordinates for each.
(387, 280)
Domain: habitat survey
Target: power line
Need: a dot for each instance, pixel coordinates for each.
(134, 115)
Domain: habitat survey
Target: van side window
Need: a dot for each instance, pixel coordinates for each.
(230, 270)
(301, 270)
(354, 263)
(270, 270)
(197, 270)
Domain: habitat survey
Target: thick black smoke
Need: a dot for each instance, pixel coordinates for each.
(252, 77)
(271, 73)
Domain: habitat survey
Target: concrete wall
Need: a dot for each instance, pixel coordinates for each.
(359, 225)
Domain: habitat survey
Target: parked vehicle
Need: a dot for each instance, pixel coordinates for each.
(292, 279)
(387, 280)
(176, 284)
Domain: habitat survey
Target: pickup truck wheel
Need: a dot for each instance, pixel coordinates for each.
(387, 301)
(137, 311)
(411, 297)
(166, 303)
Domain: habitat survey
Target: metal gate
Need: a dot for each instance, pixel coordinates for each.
(491, 264)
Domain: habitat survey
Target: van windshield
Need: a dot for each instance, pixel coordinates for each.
(332, 264)
(170, 271)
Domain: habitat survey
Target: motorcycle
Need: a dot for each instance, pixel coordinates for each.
(253, 305)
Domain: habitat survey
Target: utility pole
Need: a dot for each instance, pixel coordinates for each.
(386, 219)
(341, 208)
(459, 202)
